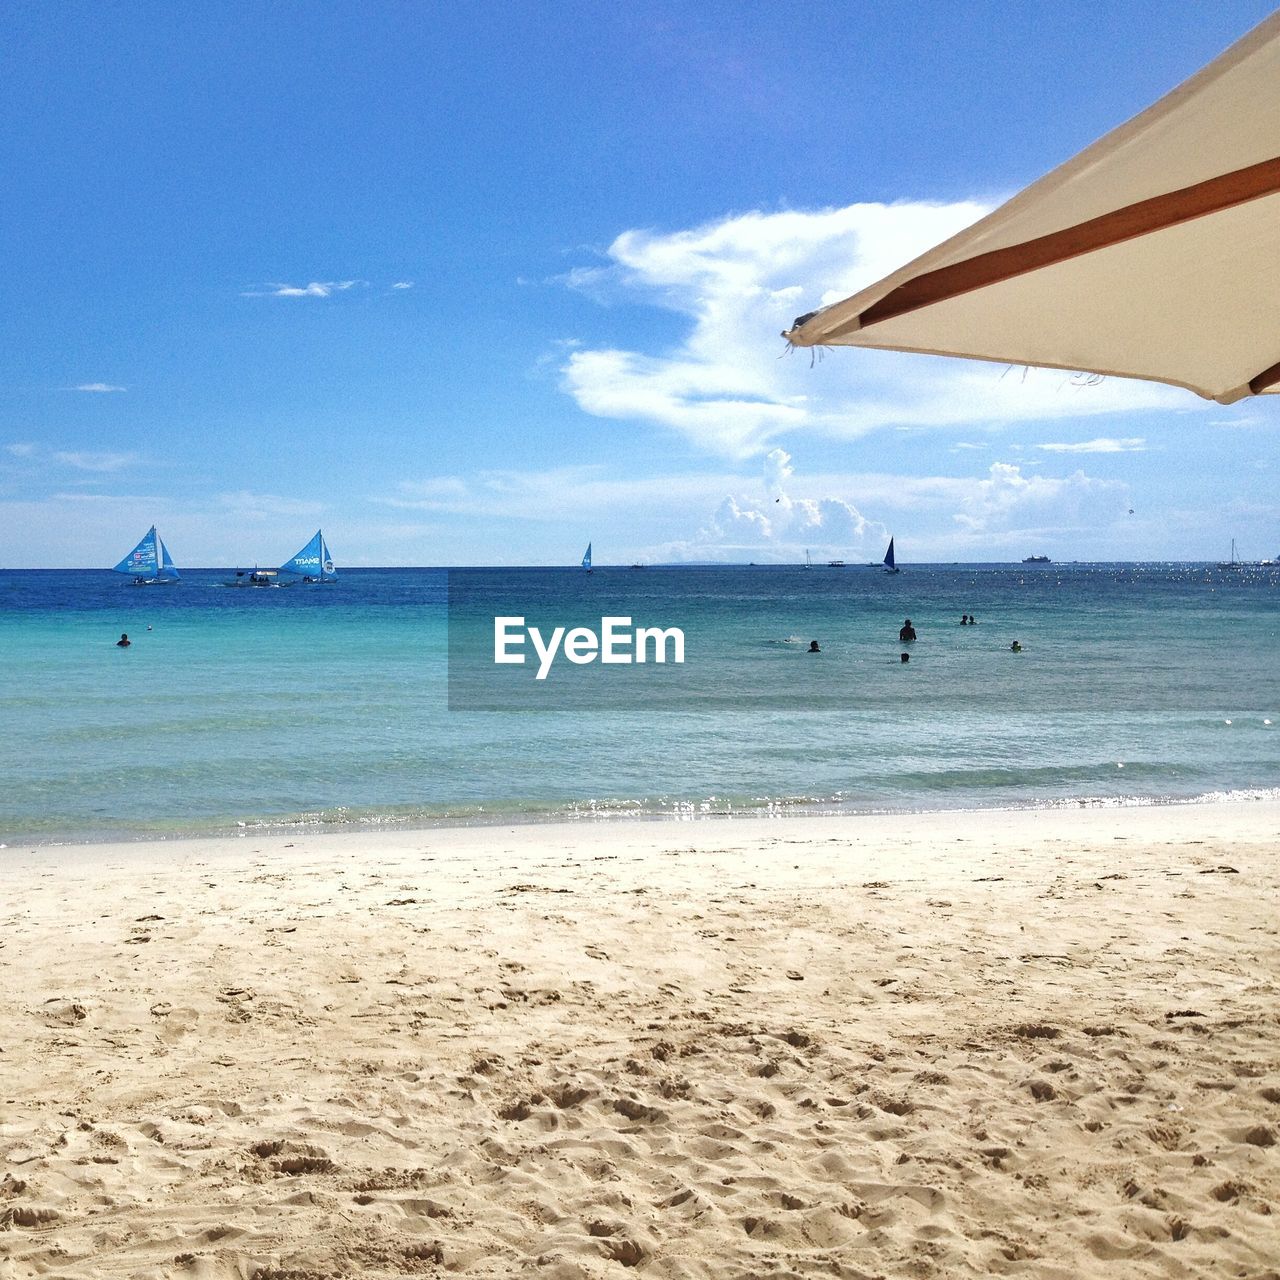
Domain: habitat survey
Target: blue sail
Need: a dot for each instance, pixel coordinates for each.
(313, 561)
(586, 559)
(888, 556)
(167, 567)
(149, 561)
(142, 561)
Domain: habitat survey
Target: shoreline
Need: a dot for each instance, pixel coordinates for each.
(695, 814)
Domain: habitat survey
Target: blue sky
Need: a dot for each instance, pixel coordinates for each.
(476, 284)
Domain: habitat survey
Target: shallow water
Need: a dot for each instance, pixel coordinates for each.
(329, 705)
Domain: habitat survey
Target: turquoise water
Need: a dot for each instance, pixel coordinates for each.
(243, 709)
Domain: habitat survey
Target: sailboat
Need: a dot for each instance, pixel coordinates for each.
(313, 563)
(149, 562)
(1234, 562)
(586, 558)
(808, 559)
(889, 565)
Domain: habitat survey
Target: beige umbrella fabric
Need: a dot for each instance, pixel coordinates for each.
(1153, 254)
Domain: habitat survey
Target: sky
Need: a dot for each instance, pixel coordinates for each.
(478, 284)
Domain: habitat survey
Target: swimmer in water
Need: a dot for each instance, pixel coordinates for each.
(908, 632)
(813, 647)
(1016, 647)
(906, 657)
(124, 642)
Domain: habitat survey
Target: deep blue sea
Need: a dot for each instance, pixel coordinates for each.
(328, 706)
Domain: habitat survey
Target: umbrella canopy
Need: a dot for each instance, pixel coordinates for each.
(1154, 253)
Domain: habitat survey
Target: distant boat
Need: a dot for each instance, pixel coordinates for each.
(808, 559)
(835, 564)
(149, 562)
(889, 565)
(313, 563)
(586, 558)
(1036, 560)
(255, 578)
(1235, 562)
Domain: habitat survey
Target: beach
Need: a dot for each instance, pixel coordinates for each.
(1036, 1042)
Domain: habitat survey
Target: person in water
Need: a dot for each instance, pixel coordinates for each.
(124, 642)
(1016, 647)
(907, 633)
(964, 619)
(813, 647)
(906, 657)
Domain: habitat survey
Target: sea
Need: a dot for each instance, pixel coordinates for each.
(345, 706)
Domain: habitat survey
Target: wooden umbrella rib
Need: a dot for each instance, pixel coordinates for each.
(1140, 219)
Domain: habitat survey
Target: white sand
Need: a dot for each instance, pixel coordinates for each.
(1041, 1044)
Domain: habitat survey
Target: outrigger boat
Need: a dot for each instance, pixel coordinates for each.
(312, 564)
(149, 562)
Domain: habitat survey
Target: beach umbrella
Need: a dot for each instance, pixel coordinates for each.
(1153, 254)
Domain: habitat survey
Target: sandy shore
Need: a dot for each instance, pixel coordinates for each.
(1039, 1044)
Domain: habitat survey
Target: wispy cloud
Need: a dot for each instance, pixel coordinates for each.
(740, 281)
(316, 289)
(403, 284)
(245, 505)
(1103, 444)
(99, 462)
(98, 386)
(21, 449)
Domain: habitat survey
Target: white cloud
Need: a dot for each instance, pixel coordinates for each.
(403, 284)
(98, 386)
(1104, 444)
(316, 289)
(101, 462)
(21, 449)
(244, 504)
(739, 282)
(1005, 498)
(779, 526)
(559, 494)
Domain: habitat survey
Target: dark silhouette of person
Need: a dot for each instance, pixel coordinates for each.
(813, 647)
(1016, 646)
(907, 633)
(906, 657)
(124, 642)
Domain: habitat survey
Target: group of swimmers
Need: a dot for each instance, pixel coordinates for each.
(907, 633)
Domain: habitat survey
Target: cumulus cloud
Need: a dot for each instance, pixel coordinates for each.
(1104, 444)
(737, 283)
(1006, 498)
(779, 525)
